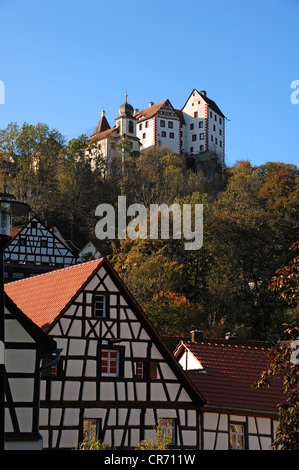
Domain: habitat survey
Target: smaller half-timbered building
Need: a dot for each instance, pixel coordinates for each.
(116, 377)
(236, 415)
(35, 249)
(25, 345)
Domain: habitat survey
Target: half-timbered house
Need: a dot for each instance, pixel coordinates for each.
(35, 249)
(116, 377)
(25, 345)
(235, 415)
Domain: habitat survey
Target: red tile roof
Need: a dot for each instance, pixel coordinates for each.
(230, 368)
(42, 298)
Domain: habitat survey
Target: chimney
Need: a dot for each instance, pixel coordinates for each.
(136, 111)
(196, 335)
(103, 114)
(203, 92)
(151, 103)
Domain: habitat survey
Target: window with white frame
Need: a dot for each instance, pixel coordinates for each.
(100, 309)
(110, 362)
(237, 436)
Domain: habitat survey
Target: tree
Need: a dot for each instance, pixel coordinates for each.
(284, 360)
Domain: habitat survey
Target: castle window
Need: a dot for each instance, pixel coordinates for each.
(211, 114)
(144, 135)
(215, 117)
(220, 143)
(195, 114)
(200, 124)
(220, 120)
(131, 127)
(216, 140)
(201, 148)
(214, 127)
(140, 127)
(212, 138)
(163, 133)
(220, 132)
(170, 124)
(191, 127)
(162, 123)
(201, 136)
(193, 137)
(171, 135)
(146, 124)
(100, 309)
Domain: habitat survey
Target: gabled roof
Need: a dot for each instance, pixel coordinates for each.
(46, 297)
(230, 367)
(102, 126)
(43, 298)
(149, 112)
(53, 231)
(209, 102)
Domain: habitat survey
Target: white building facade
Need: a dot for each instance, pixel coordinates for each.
(196, 129)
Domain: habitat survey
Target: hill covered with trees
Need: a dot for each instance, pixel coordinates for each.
(251, 219)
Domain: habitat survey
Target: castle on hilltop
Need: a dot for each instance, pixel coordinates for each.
(197, 130)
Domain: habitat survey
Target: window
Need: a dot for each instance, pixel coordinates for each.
(220, 143)
(170, 124)
(220, 132)
(212, 138)
(162, 123)
(202, 136)
(51, 368)
(146, 124)
(109, 363)
(191, 127)
(171, 135)
(100, 309)
(214, 127)
(200, 124)
(44, 243)
(163, 133)
(220, 120)
(195, 114)
(237, 436)
(23, 241)
(153, 370)
(140, 127)
(193, 137)
(144, 135)
(167, 426)
(211, 114)
(215, 117)
(91, 428)
(34, 224)
(201, 148)
(216, 140)
(139, 372)
(131, 127)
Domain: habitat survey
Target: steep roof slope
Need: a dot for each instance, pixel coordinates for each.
(42, 298)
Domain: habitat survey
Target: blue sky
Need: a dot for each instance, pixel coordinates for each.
(63, 62)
